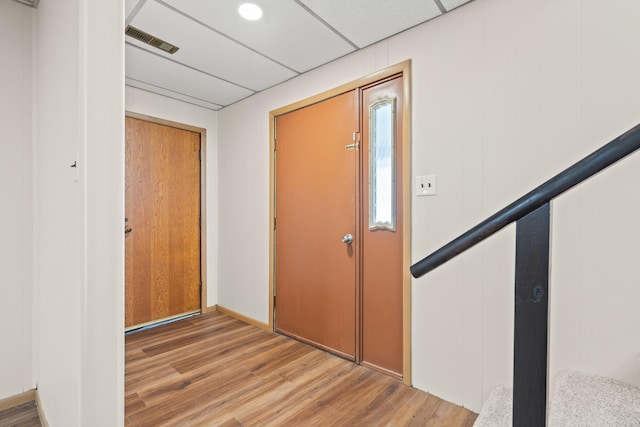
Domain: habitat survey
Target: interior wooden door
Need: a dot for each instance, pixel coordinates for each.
(382, 226)
(162, 209)
(316, 168)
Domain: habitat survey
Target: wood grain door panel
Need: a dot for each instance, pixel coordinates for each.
(162, 205)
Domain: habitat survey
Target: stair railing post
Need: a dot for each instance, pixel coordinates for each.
(531, 319)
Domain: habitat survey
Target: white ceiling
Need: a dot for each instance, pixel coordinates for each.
(224, 58)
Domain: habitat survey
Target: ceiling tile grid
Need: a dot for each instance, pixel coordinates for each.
(452, 4)
(170, 94)
(367, 21)
(207, 50)
(129, 6)
(150, 68)
(286, 33)
(224, 58)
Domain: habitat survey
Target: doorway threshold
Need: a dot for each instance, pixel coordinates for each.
(154, 323)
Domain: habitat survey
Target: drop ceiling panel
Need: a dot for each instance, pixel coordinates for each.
(452, 4)
(224, 58)
(367, 21)
(154, 70)
(206, 50)
(170, 94)
(286, 33)
(129, 5)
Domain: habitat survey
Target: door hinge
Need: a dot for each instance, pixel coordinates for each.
(200, 154)
(274, 222)
(274, 301)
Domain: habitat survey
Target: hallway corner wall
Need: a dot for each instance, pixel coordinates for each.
(16, 198)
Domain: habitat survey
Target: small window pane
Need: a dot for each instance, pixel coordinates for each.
(382, 179)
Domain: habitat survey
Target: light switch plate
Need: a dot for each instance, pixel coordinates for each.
(426, 185)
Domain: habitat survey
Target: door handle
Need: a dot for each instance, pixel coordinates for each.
(127, 229)
(347, 239)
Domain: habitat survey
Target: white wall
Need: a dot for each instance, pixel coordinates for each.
(58, 205)
(16, 193)
(102, 101)
(78, 222)
(151, 104)
(597, 284)
(505, 94)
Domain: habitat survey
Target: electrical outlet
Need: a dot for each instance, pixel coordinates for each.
(426, 185)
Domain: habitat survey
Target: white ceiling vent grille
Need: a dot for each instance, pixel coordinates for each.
(150, 40)
(32, 3)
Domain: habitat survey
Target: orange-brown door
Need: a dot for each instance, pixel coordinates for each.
(316, 174)
(162, 209)
(382, 226)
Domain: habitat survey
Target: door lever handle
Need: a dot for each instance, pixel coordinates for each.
(347, 239)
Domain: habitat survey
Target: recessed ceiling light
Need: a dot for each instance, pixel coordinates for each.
(250, 11)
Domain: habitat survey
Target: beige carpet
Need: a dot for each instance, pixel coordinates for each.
(579, 400)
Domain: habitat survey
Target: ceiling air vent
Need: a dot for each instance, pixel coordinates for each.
(150, 40)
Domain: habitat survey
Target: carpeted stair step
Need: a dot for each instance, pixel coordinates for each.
(589, 400)
(497, 410)
(579, 399)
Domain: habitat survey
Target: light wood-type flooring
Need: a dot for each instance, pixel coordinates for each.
(25, 415)
(214, 370)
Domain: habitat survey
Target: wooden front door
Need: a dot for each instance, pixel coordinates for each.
(316, 170)
(162, 209)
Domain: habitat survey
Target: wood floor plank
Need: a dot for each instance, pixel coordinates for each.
(201, 353)
(221, 352)
(214, 370)
(193, 382)
(221, 406)
(25, 415)
(423, 410)
(152, 375)
(184, 340)
(334, 405)
(443, 416)
(231, 423)
(133, 403)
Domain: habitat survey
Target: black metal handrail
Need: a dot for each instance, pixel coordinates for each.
(600, 159)
(531, 213)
